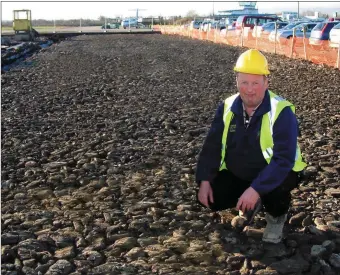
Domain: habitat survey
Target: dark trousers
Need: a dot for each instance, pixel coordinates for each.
(227, 188)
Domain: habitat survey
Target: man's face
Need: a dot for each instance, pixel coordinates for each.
(252, 88)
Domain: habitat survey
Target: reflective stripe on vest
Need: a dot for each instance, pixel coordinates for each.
(266, 136)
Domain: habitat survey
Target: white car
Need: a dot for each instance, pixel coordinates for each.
(334, 36)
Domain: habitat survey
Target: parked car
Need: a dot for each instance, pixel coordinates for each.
(258, 19)
(111, 26)
(222, 24)
(130, 23)
(300, 30)
(334, 19)
(321, 32)
(195, 24)
(249, 21)
(206, 25)
(267, 28)
(288, 27)
(334, 36)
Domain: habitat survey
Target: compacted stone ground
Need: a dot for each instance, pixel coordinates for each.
(100, 139)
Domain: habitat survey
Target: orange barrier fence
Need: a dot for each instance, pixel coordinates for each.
(320, 52)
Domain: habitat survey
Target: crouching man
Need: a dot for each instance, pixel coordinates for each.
(251, 152)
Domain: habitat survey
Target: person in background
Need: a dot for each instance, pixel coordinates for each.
(251, 154)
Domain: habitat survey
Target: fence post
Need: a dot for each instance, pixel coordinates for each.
(215, 33)
(304, 43)
(54, 26)
(80, 26)
(291, 49)
(338, 61)
(208, 31)
(242, 29)
(275, 37)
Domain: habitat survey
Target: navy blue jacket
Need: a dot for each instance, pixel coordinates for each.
(244, 156)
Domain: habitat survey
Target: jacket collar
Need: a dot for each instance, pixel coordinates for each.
(264, 107)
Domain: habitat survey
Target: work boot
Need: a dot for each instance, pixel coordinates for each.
(274, 228)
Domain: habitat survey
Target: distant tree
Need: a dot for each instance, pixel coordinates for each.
(101, 18)
(323, 15)
(312, 13)
(192, 14)
(7, 23)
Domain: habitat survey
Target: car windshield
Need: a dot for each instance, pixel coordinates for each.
(299, 26)
(281, 24)
(337, 26)
(289, 26)
(319, 27)
(267, 25)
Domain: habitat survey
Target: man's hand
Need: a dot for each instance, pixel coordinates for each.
(248, 200)
(205, 193)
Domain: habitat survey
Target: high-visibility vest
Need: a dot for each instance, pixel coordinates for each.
(266, 136)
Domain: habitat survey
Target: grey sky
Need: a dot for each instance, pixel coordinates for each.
(92, 10)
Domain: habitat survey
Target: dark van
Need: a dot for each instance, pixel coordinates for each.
(250, 20)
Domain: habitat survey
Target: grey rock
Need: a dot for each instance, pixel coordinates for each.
(126, 243)
(253, 232)
(135, 253)
(28, 249)
(310, 172)
(43, 194)
(329, 245)
(44, 267)
(236, 259)
(334, 260)
(7, 253)
(113, 268)
(142, 206)
(335, 192)
(64, 241)
(61, 267)
(198, 257)
(28, 270)
(318, 251)
(20, 196)
(94, 257)
(288, 266)
(326, 268)
(143, 242)
(65, 253)
(29, 263)
(15, 237)
(266, 272)
(54, 165)
(297, 219)
(307, 221)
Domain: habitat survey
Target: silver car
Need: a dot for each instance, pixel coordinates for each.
(290, 26)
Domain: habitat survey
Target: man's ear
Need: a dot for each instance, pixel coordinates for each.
(266, 81)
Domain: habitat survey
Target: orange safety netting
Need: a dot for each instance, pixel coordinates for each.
(298, 47)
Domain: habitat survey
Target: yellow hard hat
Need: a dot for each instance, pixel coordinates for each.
(252, 62)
